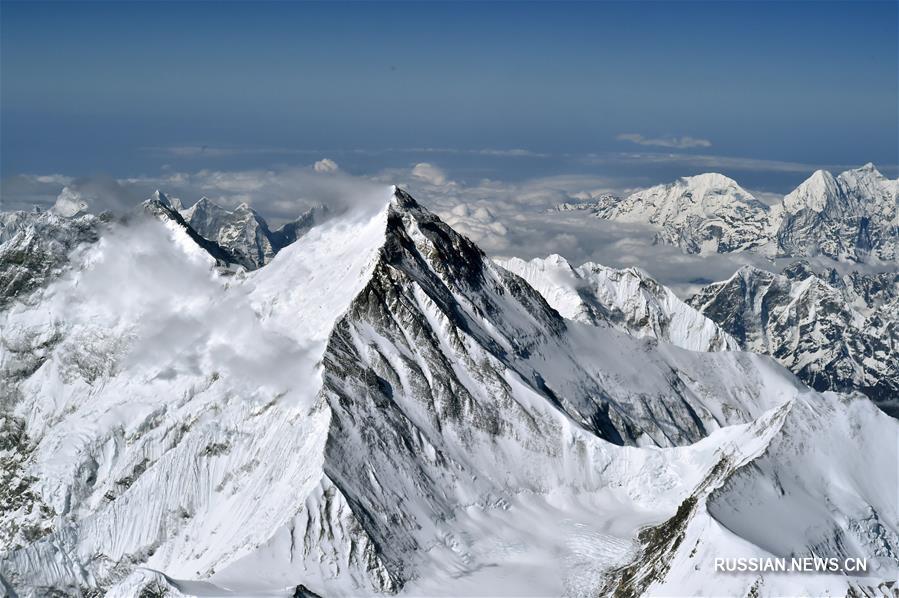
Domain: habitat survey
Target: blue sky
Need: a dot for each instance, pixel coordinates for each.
(130, 88)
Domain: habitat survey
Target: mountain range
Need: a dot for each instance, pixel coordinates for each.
(835, 332)
(853, 216)
(240, 236)
(378, 407)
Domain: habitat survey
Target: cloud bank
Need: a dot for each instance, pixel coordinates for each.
(674, 142)
(325, 165)
(429, 173)
(505, 218)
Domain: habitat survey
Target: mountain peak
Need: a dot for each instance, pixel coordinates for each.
(401, 199)
(160, 197)
(705, 213)
(710, 180)
(203, 204)
(392, 347)
(866, 174)
(813, 193)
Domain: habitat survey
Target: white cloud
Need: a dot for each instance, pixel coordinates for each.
(210, 151)
(505, 218)
(479, 224)
(53, 179)
(511, 153)
(69, 203)
(710, 162)
(429, 173)
(675, 142)
(325, 165)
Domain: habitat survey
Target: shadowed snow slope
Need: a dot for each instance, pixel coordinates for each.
(629, 300)
(384, 409)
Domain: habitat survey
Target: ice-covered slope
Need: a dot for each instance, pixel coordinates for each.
(805, 494)
(163, 422)
(835, 332)
(381, 408)
(628, 299)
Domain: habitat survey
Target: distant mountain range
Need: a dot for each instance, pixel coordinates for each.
(853, 216)
(191, 406)
(629, 300)
(835, 332)
(240, 236)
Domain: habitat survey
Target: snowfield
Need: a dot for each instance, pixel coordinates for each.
(382, 409)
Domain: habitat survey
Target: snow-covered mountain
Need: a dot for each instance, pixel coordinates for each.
(598, 205)
(382, 408)
(706, 213)
(852, 216)
(244, 232)
(167, 210)
(834, 332)
(239, 237)
(629, 300)
(34, 248)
